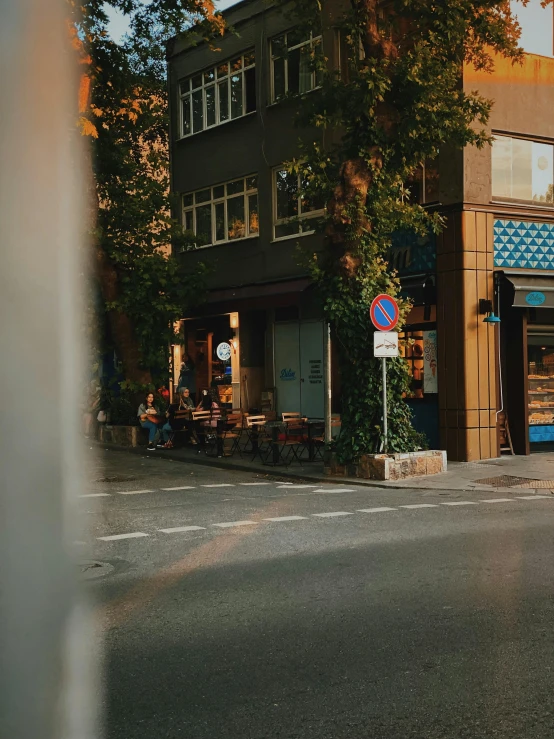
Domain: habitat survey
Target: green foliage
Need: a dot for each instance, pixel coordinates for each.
(397, 100)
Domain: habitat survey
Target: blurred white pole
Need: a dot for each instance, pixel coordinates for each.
(46, 677)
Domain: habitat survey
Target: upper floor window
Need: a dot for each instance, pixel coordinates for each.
(522, 170)
(218, 94)
(292, 63)
(223, 212)
(423, 186)
(292, 209)
(537, 27)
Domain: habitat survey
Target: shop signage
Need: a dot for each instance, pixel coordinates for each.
(223, 351)
(385, 344)
(287, 375)
(316, 372)
(384, 312)
(430, 382)
(535, 298)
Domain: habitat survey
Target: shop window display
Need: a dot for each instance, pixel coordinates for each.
(541, 388)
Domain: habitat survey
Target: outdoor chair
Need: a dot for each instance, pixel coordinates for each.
(291, 443)
(229, 430)
(201, 421)
(256, 435)
(292, 416)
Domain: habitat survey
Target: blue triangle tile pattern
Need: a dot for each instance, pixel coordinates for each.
(523, 244)
(411, 254)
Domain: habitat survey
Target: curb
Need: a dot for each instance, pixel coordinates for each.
(282, 472)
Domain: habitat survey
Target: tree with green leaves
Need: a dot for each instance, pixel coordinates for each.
(397, 100)
(141, 288)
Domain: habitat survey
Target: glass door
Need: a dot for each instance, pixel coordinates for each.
(540, 394)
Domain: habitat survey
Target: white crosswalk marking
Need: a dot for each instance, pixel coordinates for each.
(375, 510)
(181, 487)
(178, 529)
(286, 518)
(229, 524)
(497, 500)
(420, 505)
(115, 537)
(460, 502)
(220, 485)
(334, 490)
(291, 486)
(535, 497)
(254, 483)
(333, 514)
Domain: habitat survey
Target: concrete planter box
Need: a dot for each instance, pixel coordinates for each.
(391, 466)
(123, 435)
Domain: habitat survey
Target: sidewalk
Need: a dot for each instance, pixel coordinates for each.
(502, 475)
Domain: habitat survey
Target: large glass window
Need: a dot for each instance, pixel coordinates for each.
(224, 212)
(292, 64)
(537, 27)
(522, 170)
(292, 208)
(217, 95)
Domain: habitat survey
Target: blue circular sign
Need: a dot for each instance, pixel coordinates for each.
(384, 312)
(535, 298)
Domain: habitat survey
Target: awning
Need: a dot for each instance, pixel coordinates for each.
(532, 291)
(259, 290)
(420, 289)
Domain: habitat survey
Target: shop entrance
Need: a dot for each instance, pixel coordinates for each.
(540, 393)
(299, 367)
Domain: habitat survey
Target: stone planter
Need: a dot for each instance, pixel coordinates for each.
(123, 435)
(391, 466)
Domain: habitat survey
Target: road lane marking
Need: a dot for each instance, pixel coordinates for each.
(133, 492)
(178, 529)
(181, 487)
(332, 514)
(94, 495)
(286, 518)
(254, 483)
(461, 502)
(334, 490)
(535, 497)
(497, 500)
(114, 537)
(375, 510)
(219, 485)
(230, 524)
(292, 486)
(420, 505)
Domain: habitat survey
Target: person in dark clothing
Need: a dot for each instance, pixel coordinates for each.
(187, 376)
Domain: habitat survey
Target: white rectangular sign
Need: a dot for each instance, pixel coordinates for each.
(385, 344)
(430, 384)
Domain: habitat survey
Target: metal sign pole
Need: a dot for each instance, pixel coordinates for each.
(385, 420)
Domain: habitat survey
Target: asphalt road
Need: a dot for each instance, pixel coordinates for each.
(264, 617)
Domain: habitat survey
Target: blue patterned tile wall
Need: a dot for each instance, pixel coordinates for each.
(411, 254)
(523, 244)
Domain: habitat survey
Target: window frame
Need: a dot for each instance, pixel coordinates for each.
(299, 218)
(215, 84)
(310, 41)
(505, 199)
(213, 201)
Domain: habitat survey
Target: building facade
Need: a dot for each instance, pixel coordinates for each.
(232, 130)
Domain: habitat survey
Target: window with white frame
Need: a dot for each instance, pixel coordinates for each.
(217, 95)
(292, 209)
(223, 212)
(292, 63)
(522, 170)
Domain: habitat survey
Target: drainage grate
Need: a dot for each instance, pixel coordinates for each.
(542, 484)
(507, 481)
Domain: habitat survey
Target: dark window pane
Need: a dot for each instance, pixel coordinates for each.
(287, 194)
(278, 46)
(278, 78)
(210, 105)
(236, 227)
(236, 64)
(234, 187)
(296, 36)
(187, 200)
(219, 191)
(253, 220)
(209, 76)
(318, 53)
(305, 73)
(250, 83)
(204, 223)
(184, 86)
(197, 81)
(197, 111)
(294, 71)
(236, 95)
(286, 229)
(220, 222)
(186, 116)
(249, 58)
(203, 195)
(223, 70)
(252, 183)
(188, 220)
(223, 101)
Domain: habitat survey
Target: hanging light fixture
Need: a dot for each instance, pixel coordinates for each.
(485, 306)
